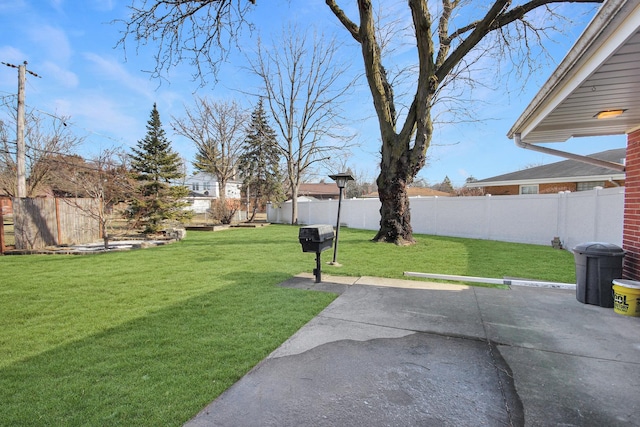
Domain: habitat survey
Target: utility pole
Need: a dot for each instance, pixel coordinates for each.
(21, 149)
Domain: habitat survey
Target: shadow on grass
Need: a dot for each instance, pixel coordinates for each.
(163, 368)
(452, 255)
(502, 259)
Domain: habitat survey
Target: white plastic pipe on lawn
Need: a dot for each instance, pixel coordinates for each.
(505, 281)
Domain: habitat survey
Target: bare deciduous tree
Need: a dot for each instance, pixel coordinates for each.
(199, 32)
(303, 80)
(45, 139)
(105, 180)
(443, 55)
(217, 128)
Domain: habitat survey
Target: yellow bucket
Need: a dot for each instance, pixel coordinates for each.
(626, 297)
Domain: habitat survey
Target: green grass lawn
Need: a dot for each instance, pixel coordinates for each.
(149, 337)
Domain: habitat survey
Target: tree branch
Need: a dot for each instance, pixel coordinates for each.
(497, 17)
(344, 20)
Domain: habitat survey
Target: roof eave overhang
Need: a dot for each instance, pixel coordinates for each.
(560, 180)
(615, 22)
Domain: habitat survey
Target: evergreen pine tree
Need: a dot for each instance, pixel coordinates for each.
(155, 165)
(259, 163)
(446, 185)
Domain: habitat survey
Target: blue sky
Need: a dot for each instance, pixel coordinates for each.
(108, 95)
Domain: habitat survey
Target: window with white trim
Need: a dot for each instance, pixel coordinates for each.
(589, 185)
(529, 189)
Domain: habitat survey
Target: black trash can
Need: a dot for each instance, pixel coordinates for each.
(597, 265)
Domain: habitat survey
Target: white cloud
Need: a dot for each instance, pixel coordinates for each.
(66, 78)
(104, 120)
(53, 43)
(12, 6)
(57, 4)
(114, 71)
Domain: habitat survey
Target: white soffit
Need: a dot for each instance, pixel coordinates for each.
(601, 72)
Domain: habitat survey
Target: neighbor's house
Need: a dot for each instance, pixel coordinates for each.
(319, 191)
(330, 191)
(415, 192)
(596, 91)
(203, 189)
(567, 175)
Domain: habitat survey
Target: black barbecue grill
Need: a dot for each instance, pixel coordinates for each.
(316, 238)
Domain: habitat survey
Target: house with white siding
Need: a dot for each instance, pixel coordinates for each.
(203, 189)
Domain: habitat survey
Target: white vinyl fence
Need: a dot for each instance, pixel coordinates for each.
(575, 218)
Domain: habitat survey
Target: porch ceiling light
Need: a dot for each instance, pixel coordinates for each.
(607, 114)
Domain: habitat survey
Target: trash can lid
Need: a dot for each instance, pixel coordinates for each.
(599, 248)
(627, 283)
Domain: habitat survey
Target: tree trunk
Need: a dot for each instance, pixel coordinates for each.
(393, 180)
(222, 191)
(395, 215)
(294, 204)
(253, 208)
(105, 241)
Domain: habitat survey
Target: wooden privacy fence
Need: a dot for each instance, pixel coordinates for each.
(45, 222)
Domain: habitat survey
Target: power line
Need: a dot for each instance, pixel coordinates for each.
(66, 123)
(54, 116)
(18, 67)
(64, 159)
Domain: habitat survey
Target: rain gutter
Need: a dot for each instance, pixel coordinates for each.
(566, 78)
(584, 159)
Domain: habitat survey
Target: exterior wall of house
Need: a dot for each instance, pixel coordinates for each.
(206, 185)
(558, 187)
(511, 190)
(631, 228)
(502, 190)
(199, 205)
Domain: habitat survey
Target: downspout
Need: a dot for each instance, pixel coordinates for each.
(566, 155)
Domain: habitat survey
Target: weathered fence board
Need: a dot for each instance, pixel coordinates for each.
(43, 222)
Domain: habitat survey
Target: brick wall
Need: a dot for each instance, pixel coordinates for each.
(557, 187)
(631, 228)
(508, 190)
(503, 190)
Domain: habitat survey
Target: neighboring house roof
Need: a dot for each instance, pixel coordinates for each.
(200, 176)
(564, 171)
(319, 190)
(416, 192)
(601, 72)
